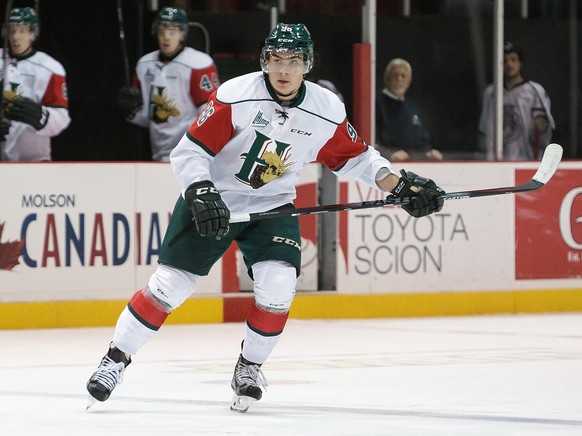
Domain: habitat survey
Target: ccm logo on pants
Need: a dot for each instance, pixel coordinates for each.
(281, 240)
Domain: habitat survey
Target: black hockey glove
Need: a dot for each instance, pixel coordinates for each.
(129, 101)
(4, 128)
(27, 111)
(209, 211)
(428, 196)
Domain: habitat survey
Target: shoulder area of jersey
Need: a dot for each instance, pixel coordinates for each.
(48, 62)
(321, 101)
(249, 86)
(197, 60)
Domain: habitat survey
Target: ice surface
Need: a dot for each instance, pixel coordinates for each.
(486, 375)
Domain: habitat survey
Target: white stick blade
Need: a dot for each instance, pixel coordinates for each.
(550, 160)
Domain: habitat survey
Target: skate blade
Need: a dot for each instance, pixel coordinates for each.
(241, 403)
(90, 402)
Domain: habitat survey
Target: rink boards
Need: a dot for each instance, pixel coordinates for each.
(77, 239)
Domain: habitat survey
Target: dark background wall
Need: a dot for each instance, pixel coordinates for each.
(443, 50)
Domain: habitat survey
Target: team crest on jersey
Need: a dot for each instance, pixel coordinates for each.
(162, 107)
(9, 95)
(266, 161)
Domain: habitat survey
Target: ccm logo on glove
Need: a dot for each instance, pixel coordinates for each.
(206, 190)
(209, 212)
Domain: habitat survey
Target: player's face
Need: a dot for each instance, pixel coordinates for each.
(286, 74)
(511, 65)
(21, 39)
(397, 80)
(169, 39)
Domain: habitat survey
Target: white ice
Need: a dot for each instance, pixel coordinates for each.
(486, 375)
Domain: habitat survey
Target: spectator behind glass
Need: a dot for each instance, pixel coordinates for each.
(175, 82)
(35, 94)
(527, 120)
(399, 130)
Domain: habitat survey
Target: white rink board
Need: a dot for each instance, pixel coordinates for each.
(468, 246)
(85, 200)
(94, 230)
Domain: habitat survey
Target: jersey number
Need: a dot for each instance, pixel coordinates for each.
(206, 83)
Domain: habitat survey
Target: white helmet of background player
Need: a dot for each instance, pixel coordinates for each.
(171, 17)
(288, 38)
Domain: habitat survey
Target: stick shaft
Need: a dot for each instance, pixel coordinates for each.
(548, 166)
(123, 43)
(5, 52)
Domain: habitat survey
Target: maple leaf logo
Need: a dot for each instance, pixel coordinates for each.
(9, 252)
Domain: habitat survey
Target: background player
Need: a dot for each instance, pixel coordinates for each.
(174, 81)
(35, 94)
(527, 120)
(244, 154)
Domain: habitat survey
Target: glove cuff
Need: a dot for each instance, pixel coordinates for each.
(44, 116)
(404, 184)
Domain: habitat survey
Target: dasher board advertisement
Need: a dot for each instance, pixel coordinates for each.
(520, 241)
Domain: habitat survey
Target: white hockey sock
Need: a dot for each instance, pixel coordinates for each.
(130, 334)
(257, 348)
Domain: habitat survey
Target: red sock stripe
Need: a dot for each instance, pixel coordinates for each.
(266, 323)
(146, 311)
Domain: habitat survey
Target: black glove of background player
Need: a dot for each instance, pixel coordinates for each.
(129, 101)
(428, 196)
(27, 111)
(4, 128)
(209, 211)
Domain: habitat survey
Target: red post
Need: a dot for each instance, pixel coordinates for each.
(363, 118)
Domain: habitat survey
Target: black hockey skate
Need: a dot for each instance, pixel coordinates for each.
(108, 375)
(247, 383)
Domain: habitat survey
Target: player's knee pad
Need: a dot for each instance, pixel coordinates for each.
(171, 286)
(274, 285)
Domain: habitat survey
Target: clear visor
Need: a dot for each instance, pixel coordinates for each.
(284, 62)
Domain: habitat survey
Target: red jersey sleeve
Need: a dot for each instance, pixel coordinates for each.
(203, 83)
(135, 83)
(213, 128)
(56, 92)
(341, 147)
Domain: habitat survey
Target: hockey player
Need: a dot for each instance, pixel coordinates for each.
(244, 154)
(527, 121)
(174, 81)
(35, 94)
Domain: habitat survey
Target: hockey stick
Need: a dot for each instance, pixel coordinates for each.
(5, 54)
(547, 168)
(123, 43)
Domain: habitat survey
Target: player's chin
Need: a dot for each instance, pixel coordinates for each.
(282, 89)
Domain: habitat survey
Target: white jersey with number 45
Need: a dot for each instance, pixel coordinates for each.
(252, 148)
(174, 93)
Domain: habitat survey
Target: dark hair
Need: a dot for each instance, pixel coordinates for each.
(509, 47)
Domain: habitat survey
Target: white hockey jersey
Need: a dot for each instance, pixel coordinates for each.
(521, 105)
(42, 79)
(174, 93)
(253, 148)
